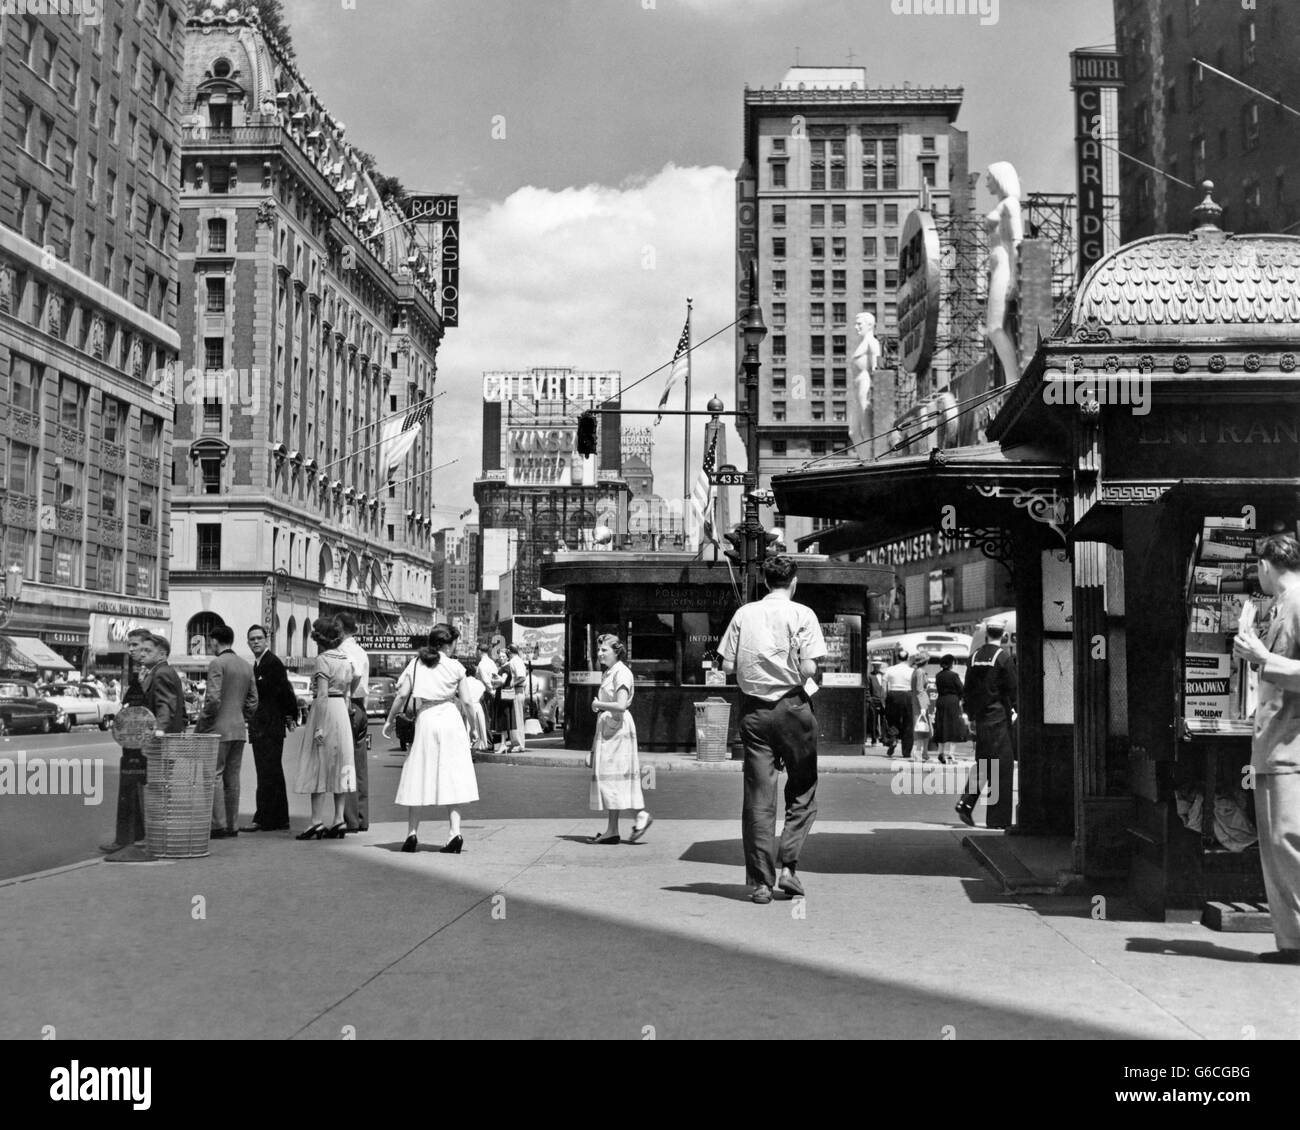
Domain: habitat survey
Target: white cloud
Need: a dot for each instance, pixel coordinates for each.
(593, 278)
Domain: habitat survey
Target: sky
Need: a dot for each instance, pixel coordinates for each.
(594, 145)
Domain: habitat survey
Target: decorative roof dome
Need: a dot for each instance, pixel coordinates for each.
(1205, 284)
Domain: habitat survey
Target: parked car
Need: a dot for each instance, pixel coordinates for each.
(302, 689)
(24, 709)
(379, 697)
(82, 704)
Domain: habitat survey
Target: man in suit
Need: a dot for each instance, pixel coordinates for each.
(277, 711)
(160, 687)
(989, 699)
(876, 704)
(356, 806)
(228, 707)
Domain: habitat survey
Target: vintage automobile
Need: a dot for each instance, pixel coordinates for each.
(379, 697)
(302, 689)
(82, 704)
(24, 710)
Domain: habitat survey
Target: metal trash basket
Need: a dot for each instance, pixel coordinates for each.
(712, 718)
(178, 794)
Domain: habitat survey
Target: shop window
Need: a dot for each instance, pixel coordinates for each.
(700, 633)
(108, 569)
(65, 562)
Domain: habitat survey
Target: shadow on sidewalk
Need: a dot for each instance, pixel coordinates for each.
(1180, 948)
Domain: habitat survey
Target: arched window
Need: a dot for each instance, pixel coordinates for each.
(306, 634)
(546, 531)
(580, 526)
(291, 636)
(198, 630)
(354, 573)
(326, 565)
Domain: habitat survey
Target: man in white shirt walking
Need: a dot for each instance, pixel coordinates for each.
(900, 705)
(773, 646)
(356, 809)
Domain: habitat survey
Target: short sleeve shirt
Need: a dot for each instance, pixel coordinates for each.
(360, 664)
(766, 640)
(1276, 745)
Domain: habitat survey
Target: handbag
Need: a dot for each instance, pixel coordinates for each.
(406, 711)
(923, 724)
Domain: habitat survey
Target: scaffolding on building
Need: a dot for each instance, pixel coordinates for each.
(1050, 216)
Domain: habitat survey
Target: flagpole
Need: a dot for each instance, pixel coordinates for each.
(686, 420)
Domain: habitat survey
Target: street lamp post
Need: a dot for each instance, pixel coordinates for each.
(13, 590)
(754, 332)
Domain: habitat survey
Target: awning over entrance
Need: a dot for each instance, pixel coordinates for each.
(892, 497)
(23, 653)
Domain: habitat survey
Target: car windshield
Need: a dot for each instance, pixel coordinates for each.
(11, 690)
(382, 686)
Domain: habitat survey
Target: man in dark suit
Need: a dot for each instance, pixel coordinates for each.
(875, 704)
(164, 693)
(228, 707)
(277, 711)
(131, 769)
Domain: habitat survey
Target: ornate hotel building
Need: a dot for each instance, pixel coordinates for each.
(307, 316)
(89, 165)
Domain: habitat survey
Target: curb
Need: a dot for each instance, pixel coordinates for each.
(994, 854)
(50, 872)
(664, 763)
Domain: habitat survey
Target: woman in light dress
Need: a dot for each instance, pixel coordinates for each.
(326, 767)
(615, 767)
(516, 674)
(439, 769)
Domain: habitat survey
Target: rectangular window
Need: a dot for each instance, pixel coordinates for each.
(216, 295)
(929, 171)
(65, 562)
(869, 281)
(870, 247)
(818, 447)
(22, 468)
(88, 253)
(1250, 126)
(778, 174)
(889, 163)
(837, 344)
(92, 175)
(891, 247)
(819, 345)
(778, 410)
(818, 412)
(838, 249)
(150, 436)
(838, 215)
(891, 280)
(219, 179)
(108, 569)
(113, 107)
(110, 195)
(25, 385)
(71, 165)
(839, 313)
(1246, 34)
(72, 403)
(210, 469)
(778, 379)
(214, 353)
(778, 215)
(819, 247)
(818, 280)
(209, 545)
(69, 482)
(778, 345)
(818, 313)
(112, 495)
(891, 215)
(92, 107)
(870, 215)
(839, 378)
(818, 378)
(817, 215)
(927, 143)
(778, 312)
(216, 235)
(113, 417)
(838, 412)
(778, 448)
(212, 415)
(146, 576)
(839, 280)
(778, 247)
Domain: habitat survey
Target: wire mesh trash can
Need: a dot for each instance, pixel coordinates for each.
(712, 717)
(178, 794)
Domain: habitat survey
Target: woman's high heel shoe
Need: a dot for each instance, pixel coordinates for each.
(411, 843)
(453, 846)
(336, 833)
(315, 832)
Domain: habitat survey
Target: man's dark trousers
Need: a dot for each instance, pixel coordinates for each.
(355, 805)
(995, 764)
(783, 732)
(272, 797)
(130, 797)
(902, 718)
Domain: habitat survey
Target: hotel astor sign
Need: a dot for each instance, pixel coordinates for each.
(918, 291)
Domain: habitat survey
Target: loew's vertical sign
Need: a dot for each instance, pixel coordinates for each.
(1091, 72)
(443, 210)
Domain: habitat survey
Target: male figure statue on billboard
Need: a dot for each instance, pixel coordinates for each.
(1005, 232)
(866, 360)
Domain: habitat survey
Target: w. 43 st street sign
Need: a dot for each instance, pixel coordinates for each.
(730, 477)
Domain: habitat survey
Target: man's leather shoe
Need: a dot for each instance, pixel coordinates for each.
(1281, 957)
(762, 894)
(790, 885)
(108, 849)
(964, 811)
(223, 833)
(253, 828)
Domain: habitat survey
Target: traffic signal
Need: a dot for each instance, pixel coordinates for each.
(771, 544)
(587, 434)
(736, 540)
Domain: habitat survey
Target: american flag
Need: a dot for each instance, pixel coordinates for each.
(681, 363)
(399, 434)
(702, 492)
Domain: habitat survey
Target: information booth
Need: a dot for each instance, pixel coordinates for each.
(671, 611)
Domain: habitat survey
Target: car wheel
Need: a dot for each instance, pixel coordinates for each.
(45, 727)
(106, 722)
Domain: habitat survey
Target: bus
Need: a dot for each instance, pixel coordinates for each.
(936, 644)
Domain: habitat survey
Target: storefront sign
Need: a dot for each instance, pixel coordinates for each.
(1233, 441)
(558, 385)
(841, 679)
(918, 291)
(906, 550)
(390, 642)
(638, 442)
(584, 678)
(1091, 74)
(125, 608)
(546, 457)
(69, 639)
(540, 643)
(444, 210)
(683, 598)
(268, 603)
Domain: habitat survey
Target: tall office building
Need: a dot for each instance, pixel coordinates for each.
(89, 168)
(831, 169)
(1195, 123)
(308, 317)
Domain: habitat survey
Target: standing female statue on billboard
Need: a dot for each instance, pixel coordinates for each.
(1005, 234)
(866, 360)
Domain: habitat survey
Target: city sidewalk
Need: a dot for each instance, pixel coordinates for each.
(532, 932)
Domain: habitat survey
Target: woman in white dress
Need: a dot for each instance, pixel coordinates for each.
(615, 767)
(326, 765)
(439, 769)
(1006, 231)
